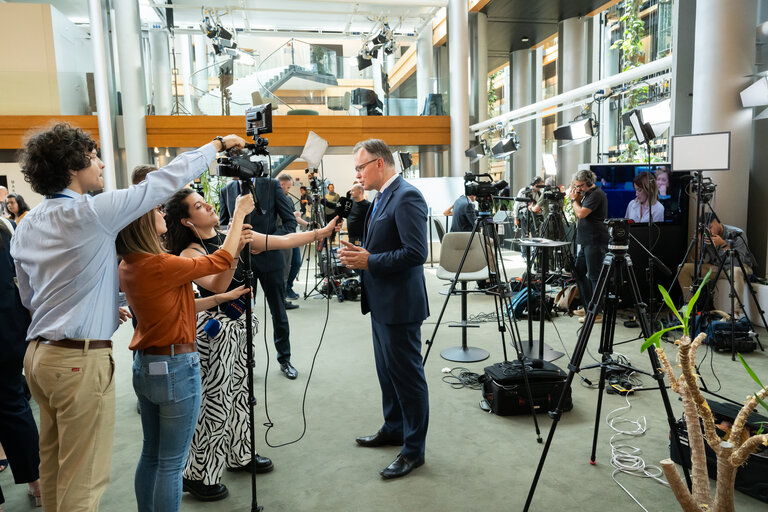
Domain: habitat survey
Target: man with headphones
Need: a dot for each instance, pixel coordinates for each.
(591, 207)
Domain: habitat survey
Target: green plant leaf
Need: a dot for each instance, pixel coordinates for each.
(671, 306)
(749, 371)
(655, 338)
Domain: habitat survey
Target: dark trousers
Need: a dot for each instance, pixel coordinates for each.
(18, 431)
(295, 267)
(587, 269)
(274, 290)
(404, 394)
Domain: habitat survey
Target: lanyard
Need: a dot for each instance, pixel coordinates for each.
(58, 196)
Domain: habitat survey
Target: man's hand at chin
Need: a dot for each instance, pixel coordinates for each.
(352, 256)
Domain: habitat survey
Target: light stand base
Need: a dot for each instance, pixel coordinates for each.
(531, 351)
(464, 354)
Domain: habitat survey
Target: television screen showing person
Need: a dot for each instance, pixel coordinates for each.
(645, 205)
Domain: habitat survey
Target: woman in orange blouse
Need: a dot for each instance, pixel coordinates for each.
(166, 370)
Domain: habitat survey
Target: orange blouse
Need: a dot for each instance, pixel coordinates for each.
(159, 289)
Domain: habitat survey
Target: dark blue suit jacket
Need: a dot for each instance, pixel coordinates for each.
(394, 290)
(274, 204)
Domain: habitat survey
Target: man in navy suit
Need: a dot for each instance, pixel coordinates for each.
(268, 266)
(394, 292)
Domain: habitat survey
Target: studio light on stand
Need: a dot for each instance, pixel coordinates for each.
(581, 129)
(506, 146)
(756, 95)
(476, 153)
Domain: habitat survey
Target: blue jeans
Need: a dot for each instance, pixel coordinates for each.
(589, 261)
(170, 404)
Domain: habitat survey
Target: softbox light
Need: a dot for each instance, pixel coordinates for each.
(505, 147)
(475, 153)
(577, 131)
(756, 95)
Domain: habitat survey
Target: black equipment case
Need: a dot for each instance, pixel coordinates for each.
(504, 387)
(752, 477)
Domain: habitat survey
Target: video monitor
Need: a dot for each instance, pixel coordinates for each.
(623, 185)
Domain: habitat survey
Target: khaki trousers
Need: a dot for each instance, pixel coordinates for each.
(686, 279)
(75, 390)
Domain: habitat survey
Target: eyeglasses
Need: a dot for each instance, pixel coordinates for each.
(360, 167)
(160, 209)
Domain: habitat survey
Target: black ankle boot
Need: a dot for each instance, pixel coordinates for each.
(204, 492)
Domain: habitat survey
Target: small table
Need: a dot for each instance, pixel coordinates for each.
(545, 352)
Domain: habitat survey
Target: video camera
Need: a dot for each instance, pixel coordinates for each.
(553, 194)
(241, 163)
(484, 190)
(618, 231)
(705, 186)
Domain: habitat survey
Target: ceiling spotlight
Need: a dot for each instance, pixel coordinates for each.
(475, 153)
(384, 35)
(506, 146)
(389, 48)
(221, 38)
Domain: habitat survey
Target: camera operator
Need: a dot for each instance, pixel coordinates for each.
(464, 214)
(715, 253)
(66, 265)
(356, 219)
(268, 266)
(591, 208)
(543, 204)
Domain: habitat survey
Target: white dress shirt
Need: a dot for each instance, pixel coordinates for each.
(635, 207)
(65, 254)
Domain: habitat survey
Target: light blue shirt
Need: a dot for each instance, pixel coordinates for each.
(65, 254)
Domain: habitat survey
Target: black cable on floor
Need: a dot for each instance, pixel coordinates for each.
(460, 378)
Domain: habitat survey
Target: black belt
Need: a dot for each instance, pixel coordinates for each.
(76, 344)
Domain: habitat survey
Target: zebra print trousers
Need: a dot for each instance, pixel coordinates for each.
(222, 437)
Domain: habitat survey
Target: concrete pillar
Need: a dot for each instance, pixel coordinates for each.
(572, 72)
(200, 75)
(458, 59)
(425, 84)
(723, 62)
(683, 42)
(106, 139)
(184, 48)
(128, 28)
(478, 67)
(162, 97)
(523, 84)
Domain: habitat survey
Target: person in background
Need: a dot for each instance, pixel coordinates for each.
(646, 202)
(591, 208)
(17, 207)
(357, 215)
(292, 256)
(464, 214)
(18, 431)
(3, 198)
(304, 203)
(66, 265)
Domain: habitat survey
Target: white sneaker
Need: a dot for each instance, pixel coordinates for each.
(579, 312)
(598, 319)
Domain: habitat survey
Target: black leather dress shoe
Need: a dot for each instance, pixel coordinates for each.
(380, 439)
(262, 465)
(291, 305)
(288, 369)
(401, 466)
(204, 492)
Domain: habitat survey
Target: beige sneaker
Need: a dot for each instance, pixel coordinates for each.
(579, 312)
(598, 319)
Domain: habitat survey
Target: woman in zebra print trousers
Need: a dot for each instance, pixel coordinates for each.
(221, 439)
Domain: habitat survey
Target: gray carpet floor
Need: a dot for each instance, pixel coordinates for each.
(474, 460)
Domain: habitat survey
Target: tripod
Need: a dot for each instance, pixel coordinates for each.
(486, 229)
(247, 188)
(615, 265)
(555, 227)
(327, 270)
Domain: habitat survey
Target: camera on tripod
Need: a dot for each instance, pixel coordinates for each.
(242, 163)
(705, 187)
(484, 190)
(618, 231)
(553, 194)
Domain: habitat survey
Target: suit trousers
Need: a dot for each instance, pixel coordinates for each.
(75, 390)
(404, 394)
(18, 431)
(273, 284)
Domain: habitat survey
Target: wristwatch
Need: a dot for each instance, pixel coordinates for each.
(223, 144)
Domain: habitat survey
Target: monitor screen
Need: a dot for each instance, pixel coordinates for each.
(625, 186)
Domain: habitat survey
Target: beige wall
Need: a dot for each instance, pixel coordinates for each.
(17, 185)
(27, 61)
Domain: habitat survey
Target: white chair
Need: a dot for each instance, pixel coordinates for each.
(475, 268)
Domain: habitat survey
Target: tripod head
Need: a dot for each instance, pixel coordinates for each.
(618, 231)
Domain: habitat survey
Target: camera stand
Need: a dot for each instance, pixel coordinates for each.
(489, 239)
(554, 227)
(247, 188)
(615, 265)
(324, 273)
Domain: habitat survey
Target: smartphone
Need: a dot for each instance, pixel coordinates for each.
(158, 368)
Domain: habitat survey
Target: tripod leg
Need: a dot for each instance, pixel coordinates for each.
(754, 299)
(658, 372)
(600, 390)
(573, 368)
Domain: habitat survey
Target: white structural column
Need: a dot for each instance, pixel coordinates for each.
(458, 65)
(425, 77)
(184, 47)
(523, 82)
(102, 95)
(200, 77)
(128, 31)
(572, 73)
(724, 58)
(162, 97)
(482, 66)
